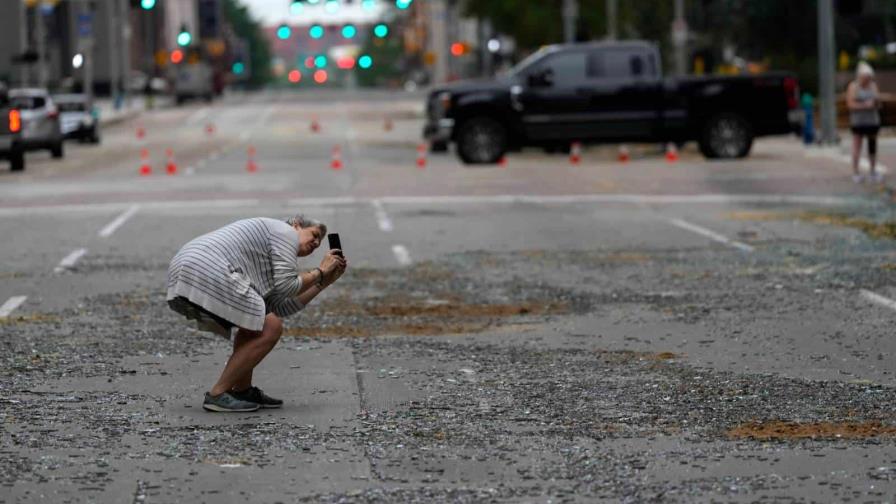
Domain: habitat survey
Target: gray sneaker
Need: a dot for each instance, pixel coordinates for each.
(227, 403)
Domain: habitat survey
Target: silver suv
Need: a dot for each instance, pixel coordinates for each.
(41, 127)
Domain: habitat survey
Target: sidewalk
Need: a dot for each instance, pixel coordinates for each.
(130, 108)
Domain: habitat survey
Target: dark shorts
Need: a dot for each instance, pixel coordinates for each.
(207, 320)
(865, 130)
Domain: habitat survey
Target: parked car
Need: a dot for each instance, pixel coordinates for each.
(78, 117)
(193, 80)
(608, 92)
(10, 128)
(41, 127)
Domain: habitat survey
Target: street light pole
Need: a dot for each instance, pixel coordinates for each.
(570, 20)
(680, 38)
(611, 19)
(827, 103)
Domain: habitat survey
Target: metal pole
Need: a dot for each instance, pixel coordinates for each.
(125, 62)
(40, 36)
(826, 60)
(612, 14)
(570, 20)
(680, 38)
(87, 50)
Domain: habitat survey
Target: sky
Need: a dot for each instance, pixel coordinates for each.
(272, 12)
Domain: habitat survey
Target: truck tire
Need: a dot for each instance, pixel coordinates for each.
(481, 140)
(17, 160)
(726, 136)
(57, 150)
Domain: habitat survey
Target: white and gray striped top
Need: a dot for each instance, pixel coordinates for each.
(241, 271)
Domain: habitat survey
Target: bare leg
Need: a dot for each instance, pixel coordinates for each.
(856, 152)
(242, 337)
(249, 354)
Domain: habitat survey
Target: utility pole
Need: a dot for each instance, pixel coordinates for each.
(87, 24)
(40, 36)
(570, 20)
(826, 60)
(438, 39)
(680, 38)
(612, 13)
(122, 30)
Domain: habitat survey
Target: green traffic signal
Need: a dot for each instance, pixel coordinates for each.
(365, 61)
(381, 30)
(403, 4)
(147, 4)
(316, 31)
(238, 68)
(283, 32)
(349, 31)
(184, 38)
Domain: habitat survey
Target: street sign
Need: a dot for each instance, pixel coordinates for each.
(85, 24)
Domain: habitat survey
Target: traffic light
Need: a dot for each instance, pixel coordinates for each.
(284, 31)
(332, 6)
(349, 31)
(403, 4)
(459, 49)
(177, 56)
(320, 61)
(316, 31)
(365, 62)
(294, 76)
(381, 30)
(238, 68)
(184, 37)
(296, 7)
(147, 4)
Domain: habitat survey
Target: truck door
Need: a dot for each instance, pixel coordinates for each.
(625, 92)
(553, 98)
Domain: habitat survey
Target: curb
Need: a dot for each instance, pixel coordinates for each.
(119, 118)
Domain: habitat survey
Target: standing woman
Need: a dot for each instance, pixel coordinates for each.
(245, 276)
(862, 100)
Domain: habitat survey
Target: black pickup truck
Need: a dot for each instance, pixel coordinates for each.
(605, 92)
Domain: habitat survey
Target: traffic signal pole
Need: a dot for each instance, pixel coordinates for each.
(827, 103)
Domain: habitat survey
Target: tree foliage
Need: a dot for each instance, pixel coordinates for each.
(250, 30)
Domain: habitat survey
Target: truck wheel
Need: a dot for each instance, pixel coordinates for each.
(17, 161)
(95, 136)
(481, 140)
(56, 150)
(726, 136)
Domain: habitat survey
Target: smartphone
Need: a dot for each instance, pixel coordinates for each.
(333, 238)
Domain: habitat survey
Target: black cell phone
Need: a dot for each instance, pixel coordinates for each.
(333, 238)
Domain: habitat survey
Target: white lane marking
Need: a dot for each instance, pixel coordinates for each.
(401, 254)
(70, 260)
(381, 217)
(877, 298)
(197, 116)
(12, 211)
(118, 222)
(710, 234)
(11, 304)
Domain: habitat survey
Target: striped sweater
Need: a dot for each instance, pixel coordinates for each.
(240, 272)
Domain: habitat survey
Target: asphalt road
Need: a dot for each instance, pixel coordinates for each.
(531, 332)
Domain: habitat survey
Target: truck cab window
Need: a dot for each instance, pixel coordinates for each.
(564, 69)
(618, 64)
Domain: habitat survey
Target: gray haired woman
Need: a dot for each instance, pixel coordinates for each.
(863, 102)
(245, 276)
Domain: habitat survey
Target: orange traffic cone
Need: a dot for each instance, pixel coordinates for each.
(575, 153)
(421, 155)
(502, 162)
(315, 125)
(170, 166)
(623, 154)
(145, 167)
(251, 167)
(141, 132)
(210, 129)
(336, 158)
(671, 153)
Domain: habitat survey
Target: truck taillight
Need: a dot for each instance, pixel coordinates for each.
(15, 121)
(792, 91)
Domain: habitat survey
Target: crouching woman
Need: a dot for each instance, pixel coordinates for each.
(245, 276)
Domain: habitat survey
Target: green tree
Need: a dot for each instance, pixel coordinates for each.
(249, 29)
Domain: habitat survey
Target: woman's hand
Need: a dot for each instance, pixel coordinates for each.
(331, 262)
(337, 272)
